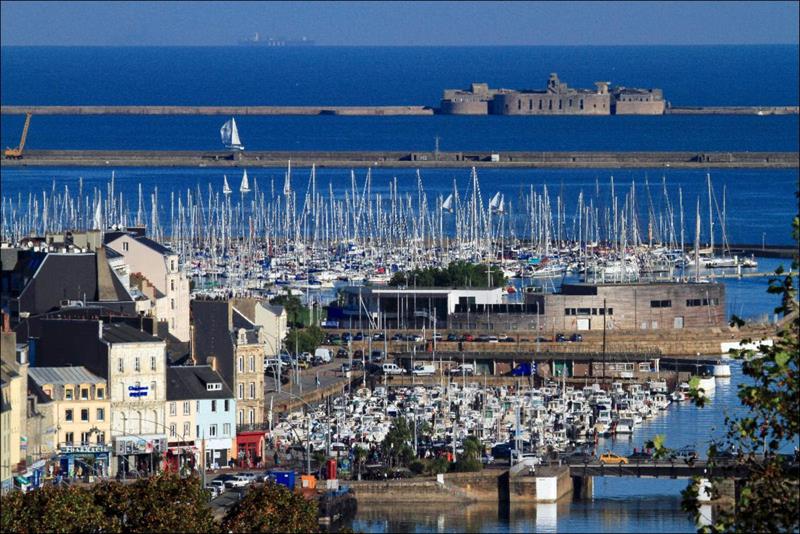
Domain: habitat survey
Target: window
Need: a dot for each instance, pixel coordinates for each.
(172, 265)
(172, 303)
(252, 416)
(69, 438)
(125, 246)
(153, 389)
(540, 103)
(120, 365)
(101, 393)
(212, 430)
(186, 430)
(172, 285)
(84, 414)
(252, 390)
(581, 103)
(702, 302)
(550, 105)
(197, 406)
(173, 408)
(85, 437)
(152, 363)
(644, 367)
(252, 364)
(226, 429)
(68, 393)
(136, 366)
(84, 393)
(213, 405)
(187, 407)
(660, 303)
(241, 390)
(172, 430)
(584, 311)
(198, 430)
(241, 417)
(227, 405)
(101, 414)
(101, 438)
(560, 103)
(241, 364)
(68, 415)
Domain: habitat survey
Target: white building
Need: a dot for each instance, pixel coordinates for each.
(137, 391)
(154, 271)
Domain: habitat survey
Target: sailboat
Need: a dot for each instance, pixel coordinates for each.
(226, 189)
(230, 135)
(447, 205)
(245, 186)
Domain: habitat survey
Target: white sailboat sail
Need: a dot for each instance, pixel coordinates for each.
(245, 187)
(495, 202)
(230, 135)
(447, 205)
(226, 189)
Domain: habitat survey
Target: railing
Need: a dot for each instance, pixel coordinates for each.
(252, 427)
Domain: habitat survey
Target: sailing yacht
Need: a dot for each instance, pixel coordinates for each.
(230, 135)
(226, 189)
(245, 186)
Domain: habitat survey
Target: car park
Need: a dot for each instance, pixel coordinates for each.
(392, 369)
(342, 353)
(560, 338)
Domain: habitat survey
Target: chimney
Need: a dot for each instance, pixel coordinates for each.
(6, 323)
(212, 361)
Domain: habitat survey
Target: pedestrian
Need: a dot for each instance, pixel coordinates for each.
(276, 459)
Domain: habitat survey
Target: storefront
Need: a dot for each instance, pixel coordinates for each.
(182, 457)
(84, 462)
(250, 448)
(139, 455)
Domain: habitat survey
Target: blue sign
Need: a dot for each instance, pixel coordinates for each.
(137, 391)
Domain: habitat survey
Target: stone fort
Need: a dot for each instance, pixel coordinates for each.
(557, 99)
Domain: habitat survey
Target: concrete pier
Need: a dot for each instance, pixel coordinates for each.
(349, 159)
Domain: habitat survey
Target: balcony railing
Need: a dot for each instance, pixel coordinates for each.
(252, 427)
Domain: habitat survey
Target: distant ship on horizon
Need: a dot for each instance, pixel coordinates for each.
(257, 40)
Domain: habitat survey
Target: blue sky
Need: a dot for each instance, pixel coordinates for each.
(400, 23)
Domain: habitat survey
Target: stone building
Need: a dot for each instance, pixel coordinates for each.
(13, 414)
(556, 99)
(155, 273)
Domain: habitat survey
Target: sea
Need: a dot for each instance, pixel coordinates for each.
(759, 203)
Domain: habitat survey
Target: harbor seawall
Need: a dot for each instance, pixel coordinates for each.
(517, 159)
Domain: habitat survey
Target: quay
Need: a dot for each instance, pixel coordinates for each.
(405, 159)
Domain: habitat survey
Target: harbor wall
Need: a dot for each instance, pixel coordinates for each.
(218, 110)
(403, 159)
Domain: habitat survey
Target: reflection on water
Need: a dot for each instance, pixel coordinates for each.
(650, 514)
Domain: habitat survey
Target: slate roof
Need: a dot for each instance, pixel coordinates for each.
(122, 333)
(158, 247)
(64, 375)
(189, 383)
(240, 321)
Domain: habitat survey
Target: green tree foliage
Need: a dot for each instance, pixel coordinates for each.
(396, 445)
(457, 274)
(470, 459)
(272, 508)
(304, 339)
(164, 503)
(770, 498)
(54, 509)
(297, 315)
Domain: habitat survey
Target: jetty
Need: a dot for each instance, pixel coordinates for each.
(407, 159)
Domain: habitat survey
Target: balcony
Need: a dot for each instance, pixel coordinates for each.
(252, 428)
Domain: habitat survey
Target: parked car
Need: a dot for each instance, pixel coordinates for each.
(492, 339)
(576, 338)
(416, 338)
(641, 456)
(358, 354)
(238, 481)
(609, 457)
(578, 457)
(346, 368)
(466, 369)
(467, 337)
(377, 356)
(342, 353)
(560, 338)
(252, 477)
(542, 339)
(392, 369)
(688, 454)
(323, 355)
(424, 370)
(378, 337)
(358, 337)
(396, 337)
(218, 485)
(452, 337)
(487, 459)
(483, 338)
(506, 339)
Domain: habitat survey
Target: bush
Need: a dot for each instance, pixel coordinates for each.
(417, 467)
(272, 508)
(54, 509)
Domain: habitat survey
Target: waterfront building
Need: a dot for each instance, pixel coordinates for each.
(271, 318)
(395, 307)
(13, 414)
(80, 423)
(201, 417)
(156, 275)
(234, 346)
(47, 277)
(557, 98)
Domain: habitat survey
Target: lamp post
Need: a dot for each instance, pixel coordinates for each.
(308, 430)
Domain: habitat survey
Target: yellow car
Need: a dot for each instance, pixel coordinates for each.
(609, 457)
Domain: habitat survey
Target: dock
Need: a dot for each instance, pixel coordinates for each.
(406, 159)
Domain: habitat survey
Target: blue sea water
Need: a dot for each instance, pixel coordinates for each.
(689, 76)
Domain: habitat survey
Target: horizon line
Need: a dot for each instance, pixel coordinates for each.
(245, 45)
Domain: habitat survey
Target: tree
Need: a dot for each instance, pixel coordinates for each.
(54, 509)
(162, 503)
(296, 314)
(304, 339)
(768, 501)
(470, 459)
(272, 508)
(395, 445)
(359, 456)
(457, 273)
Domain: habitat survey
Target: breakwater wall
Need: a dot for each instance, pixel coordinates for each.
(516, 159)
(732, 110)
(219, 110)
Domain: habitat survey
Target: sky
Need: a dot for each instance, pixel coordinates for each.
(399, 23)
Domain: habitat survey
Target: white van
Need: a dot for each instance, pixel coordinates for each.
(466, 369)
(392, 369)
(323, 355)
(424, 370)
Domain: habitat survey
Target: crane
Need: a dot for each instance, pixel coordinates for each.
(16, 153)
